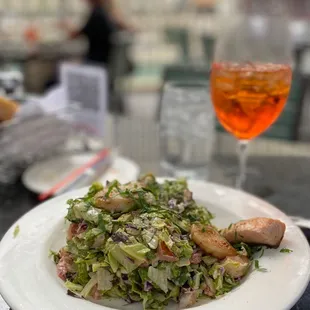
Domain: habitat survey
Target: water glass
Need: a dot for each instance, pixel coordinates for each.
(187, 130)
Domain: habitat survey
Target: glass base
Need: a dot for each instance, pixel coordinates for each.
(190, 172)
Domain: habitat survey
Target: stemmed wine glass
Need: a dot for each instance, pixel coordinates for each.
(251, 76)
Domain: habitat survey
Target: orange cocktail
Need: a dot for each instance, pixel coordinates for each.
(248, 98)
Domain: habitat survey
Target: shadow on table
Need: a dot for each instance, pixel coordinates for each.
(16, 200)
(282, 181)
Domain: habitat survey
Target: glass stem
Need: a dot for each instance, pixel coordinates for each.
(115, 130)
(243, 156)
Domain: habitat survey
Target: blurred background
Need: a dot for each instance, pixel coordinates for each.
(168, 32)
(34, 41)
(54, 103)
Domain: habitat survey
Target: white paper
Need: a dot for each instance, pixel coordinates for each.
(86, 87)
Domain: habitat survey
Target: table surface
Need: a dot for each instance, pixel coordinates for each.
(283, 178)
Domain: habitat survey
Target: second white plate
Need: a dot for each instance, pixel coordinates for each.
(43, 175)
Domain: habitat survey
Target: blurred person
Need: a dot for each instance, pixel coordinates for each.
(104, 20)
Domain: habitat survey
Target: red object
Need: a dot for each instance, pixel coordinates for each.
(95, 293)
(73, 175)
(76, 229)
(164, 253)
(196, 258)
(64, 265)
(31, 34)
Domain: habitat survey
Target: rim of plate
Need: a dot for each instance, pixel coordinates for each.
(8, 243)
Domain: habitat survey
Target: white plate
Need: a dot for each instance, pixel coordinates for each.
(28, 278)
(43, 175)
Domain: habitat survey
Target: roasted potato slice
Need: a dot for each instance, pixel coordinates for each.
(210, 241)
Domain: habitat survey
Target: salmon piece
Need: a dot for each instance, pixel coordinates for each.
(76, 229)
(211, 242)
(262, 231)
(65, 264)
(114, 202)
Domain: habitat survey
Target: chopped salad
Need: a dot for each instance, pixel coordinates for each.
(146, 242)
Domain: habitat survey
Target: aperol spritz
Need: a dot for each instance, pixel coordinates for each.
(249, 97)
(251, 73)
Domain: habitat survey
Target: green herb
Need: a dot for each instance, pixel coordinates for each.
(236, 235)
(101, 224)
(105, 223)
(93, 190)
(203, 229)
(142, 202)
(82, 276)
(243, 246)
(258, 267)
(250, 250)
(284, 250)
(55, 256)
(192, 218)
(149, 190)
(182, 279)
(231, 224)
(262, 252)
(138, 197)
(71, 217)
(16, 231)
(112, 185)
